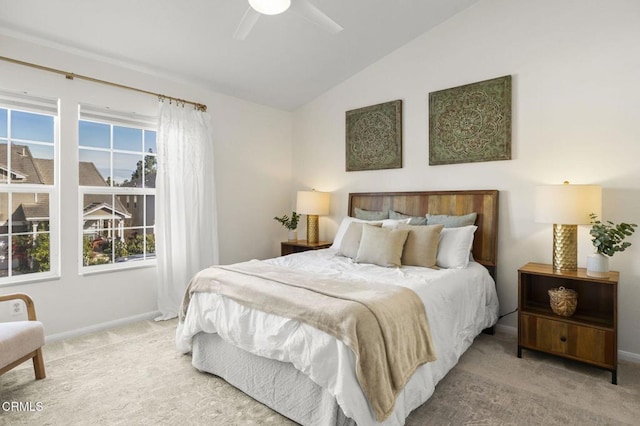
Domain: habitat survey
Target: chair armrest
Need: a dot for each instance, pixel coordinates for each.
(31, 309)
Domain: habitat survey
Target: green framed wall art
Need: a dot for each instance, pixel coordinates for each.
(374, 137)
(471, 123)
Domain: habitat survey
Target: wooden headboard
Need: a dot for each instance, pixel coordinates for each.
(483, 202)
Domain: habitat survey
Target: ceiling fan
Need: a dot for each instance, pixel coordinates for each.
(274, 7)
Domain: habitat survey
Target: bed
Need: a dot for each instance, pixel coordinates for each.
(314, 378)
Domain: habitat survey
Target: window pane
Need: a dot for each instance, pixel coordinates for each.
(4, 168)
(4, 213)
(4, 255)
(32, 163)
(96, 250)
(97, 214)
(29, 212)
(150, 212)
(104, 221)
(19, 246)
(122, 212)
(132, 247)
(40, 253)
(126, 209)
(3, 123)
(30, 253)
(95, 169)
(135, 241)
(150, 141)
(150, 168)
(127, 170)
(94, 134)
(127, 138)
(151, 243)
(29, 126)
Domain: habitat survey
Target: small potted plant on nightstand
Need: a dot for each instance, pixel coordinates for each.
(608, 238)
(291, 223)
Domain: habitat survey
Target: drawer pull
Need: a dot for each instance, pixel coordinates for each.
(563, 339)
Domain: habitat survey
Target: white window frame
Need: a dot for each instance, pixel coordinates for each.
(46, 106)
(113, 118)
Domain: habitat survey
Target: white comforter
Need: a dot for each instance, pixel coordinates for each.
(459, 303)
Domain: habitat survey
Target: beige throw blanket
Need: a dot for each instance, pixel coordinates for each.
(384, 325)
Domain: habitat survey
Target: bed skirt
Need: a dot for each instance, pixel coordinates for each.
(274, 383)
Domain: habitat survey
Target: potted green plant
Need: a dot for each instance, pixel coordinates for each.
(291, 223)
(608, 239)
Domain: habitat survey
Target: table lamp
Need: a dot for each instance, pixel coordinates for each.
(313, 204)
(566, 206)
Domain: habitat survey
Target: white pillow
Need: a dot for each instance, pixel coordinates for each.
(393, 223)
(342, 229)
(455, 246)
(346, 221)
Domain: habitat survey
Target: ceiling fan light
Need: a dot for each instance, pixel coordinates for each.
(270, 7)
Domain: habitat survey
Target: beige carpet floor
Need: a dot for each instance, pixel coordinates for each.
(132, 375)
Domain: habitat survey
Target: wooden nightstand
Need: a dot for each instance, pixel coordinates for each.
(589, 335)
(288, 247)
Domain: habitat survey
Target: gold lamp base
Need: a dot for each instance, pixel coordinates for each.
(565, 247)
(312, 229)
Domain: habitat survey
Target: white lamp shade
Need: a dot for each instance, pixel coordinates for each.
(567, 204)
(270, 7)
(312, 202)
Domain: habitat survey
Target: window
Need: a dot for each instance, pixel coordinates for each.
(28, 187)
(117, 165)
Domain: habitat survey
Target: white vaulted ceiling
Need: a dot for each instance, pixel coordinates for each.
(285, 61)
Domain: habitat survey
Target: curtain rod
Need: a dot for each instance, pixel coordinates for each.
(71, 76)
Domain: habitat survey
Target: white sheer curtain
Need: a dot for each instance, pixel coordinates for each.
(186, 224)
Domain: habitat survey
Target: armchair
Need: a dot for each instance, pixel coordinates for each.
(22, 340)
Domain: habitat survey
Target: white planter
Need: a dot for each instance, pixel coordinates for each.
(293, 235)
(598, 265)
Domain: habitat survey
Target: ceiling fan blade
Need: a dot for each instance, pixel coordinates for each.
(314, 15)
(247, 22)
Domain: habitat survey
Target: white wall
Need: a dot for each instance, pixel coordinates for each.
(252, 161)
(575, 117)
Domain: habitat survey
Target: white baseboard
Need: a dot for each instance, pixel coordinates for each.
(507, 329)
(629, 356)
(99, 327)
(622, 355)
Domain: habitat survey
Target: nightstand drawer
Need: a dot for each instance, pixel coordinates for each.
(298, 246)
(584, 343)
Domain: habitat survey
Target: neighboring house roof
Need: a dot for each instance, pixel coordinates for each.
(37, 211)
(89, 175)
(21, 163)
(45, 167)
(94, 204)
(41, 171)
